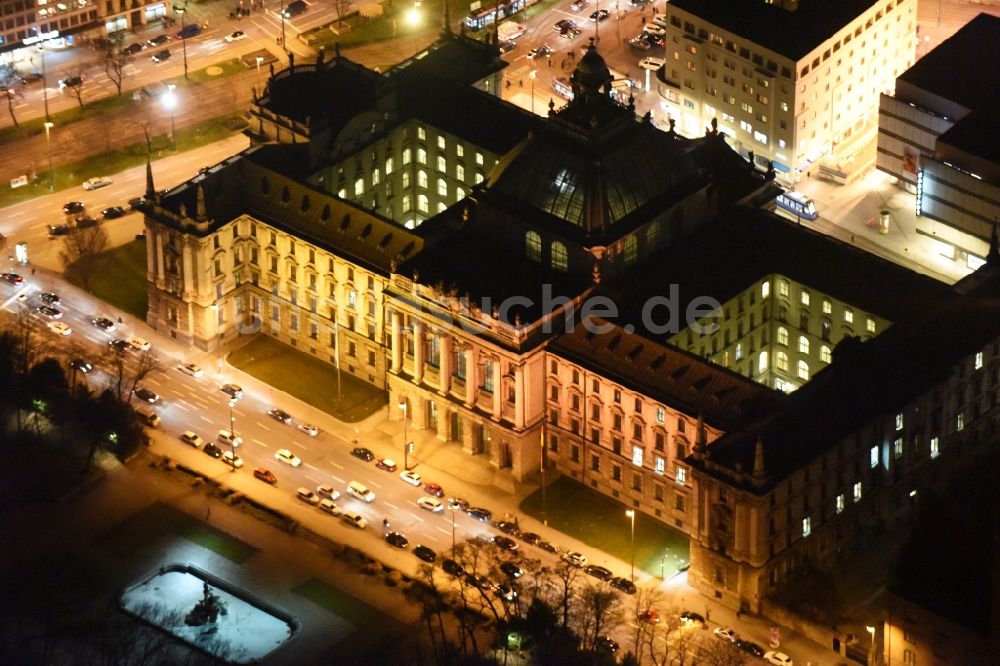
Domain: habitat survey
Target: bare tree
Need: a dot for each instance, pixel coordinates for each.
(341, 7)
(73, 84)
(565, 577)
(721, 652)
(599, 607)
(81, 250)
(13, 95)
(115, 61)
(126, 378)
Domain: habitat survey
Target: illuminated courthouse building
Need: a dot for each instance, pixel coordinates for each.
(794, 82)
(475, 318)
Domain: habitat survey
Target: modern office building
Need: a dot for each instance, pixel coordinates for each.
(939, 134)
(794, 82)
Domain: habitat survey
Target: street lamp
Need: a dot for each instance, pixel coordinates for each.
(232, 430)
(452, 508)
(183, 11)
(871, 646)
(283, 24)
(170, 103)
(631, 514)
(531, 75)
(406, 444)
(48, 149)
(260, 89)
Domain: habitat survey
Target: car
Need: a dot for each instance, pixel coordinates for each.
(480, 581)
(138, 344)
(506, 592)
(105, 324)
(651, 63)
(161, 56)
(354, 519)
(425, 553)
(360, 491)
(81, 365)
(85, 222)
(452, 567)
(410, 477)
(508, 527)
(777, 658)
(73, 81)
(212, 450)
(135, 202)
(388, 464)
(431, 504)
(396, 539)
(50, 298)
(598, 572)
(750, 647)
(507, 45)
(265, 475)
(542, 51)
(458, 503)
(294, 8)
(113, 213)
(280, 415)
(690, 617)
(190, 369)
(640, 42)
(623, 584)
(648, 616)
(232, 460)
(563, 24)
(329, 506)
(531, 538)
(120, 346)
(191, 438)
(12, 278)
(236, 36)
(511, 570)
(307, 496)
(309, 429)
(74, 207)
(653, 29)
(49, 312)
(599, 15)
(232, 390)
(575, 559)
(571, 33)
(287, 457)
(434, 489)
(362, 453)
(579, 4)
(59, 230)
(328, 491)
(59, 328)
(159, 39)
(480, 514)
(189, 30)
(134, 48)
(726, 633)
(229, 438)
(96, 182)
(146, 395)
(606, 644)
(548, 547)
(505, 543)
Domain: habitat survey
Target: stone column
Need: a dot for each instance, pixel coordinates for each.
(397, 342)
(518, 396)
(471, 376)
(418, 352)
(445, 369)
(497, 389)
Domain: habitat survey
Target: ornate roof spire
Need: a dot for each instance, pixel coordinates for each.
(150, 188)
(200, 209)
(758, 462)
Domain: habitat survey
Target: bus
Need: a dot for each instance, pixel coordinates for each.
(797, 204)
(562, 87)
(481, 17)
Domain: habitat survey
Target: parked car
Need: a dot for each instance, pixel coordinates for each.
(70, 82)
(458, 503)
(648, 616)
(190, 438)
(480, 514)
(640, 42)
(212, 450)
(190, 369)
(360, 491)
(59, 230)
(287, 457)
(307, 496)
(138, 344)
(48, 312)
(81, 365)
(329, 506)
(425, 554)
(233, 391)
(120, 346)
(606, 644)
(159, 39)
(328, 491)
(452, 567)
(96, 183)
(548, 547)
(232, 459)
(161, 56)
(690, 617)
(59, 328)
(280, 415)
(434, 489)
(73, 207)
(354, 519)
(562, 24)
(50, 298)
(134, 48)
(396, 539)
(308, 429)
(508, 527)
(598, 572)
(575, 559)
(750, 647)
(623, 584)
(388, 464)
(362, 453)
(530, 538)
(726, 633)
(777, 658)
(146, 395)
(410, 477)
(542, 51)
(230, 438)
(113, 213)
(105, 324)
(85, 222)
(12, 279)
(600, 15)
(505, 543)
(511, 569)
(189, 30)
(579, 4)
(431, 504)
(265, 475)
(506, 592)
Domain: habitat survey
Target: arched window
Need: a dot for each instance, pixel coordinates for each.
(631, 250)
(782, 336)
(803, 370)
(825, 355)
(285, 195)
(762, 362)
(422, 203)
(305, 203)
(560, 259)
(422, 179)
(533, 246)
(781, 361)
(803, 344)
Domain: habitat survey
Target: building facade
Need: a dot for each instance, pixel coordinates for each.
(795, 82)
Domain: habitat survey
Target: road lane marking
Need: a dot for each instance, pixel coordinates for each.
(264, 427)
(296, 444)
(441, 529)
(338, 479)
(179, 406)
(313, 479)
(205, 419)
(392, 506)
(312, 467)
(373, 484)
(257, 441)
(334, 464)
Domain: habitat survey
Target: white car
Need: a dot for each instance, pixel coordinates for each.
(575, 559)
(232, 459)
(411, 477)
(236, 36)
(96, 183)
(777, 658)
(59, 328)
(189, 437)
(651, 63)
(229, 438)
(287, 457)
(138, 344)
(327, 491)
(431, 504)
(329, 506)
(726, 633)
(309, 429)
(190, 369)
(653, 29)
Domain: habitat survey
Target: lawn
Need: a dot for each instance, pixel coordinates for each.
(146, 526)
(119, 278)
(394, 23)
(600, 521)
(307, 378)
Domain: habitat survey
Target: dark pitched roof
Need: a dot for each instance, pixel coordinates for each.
(456, 58)
(333, 92)
(674, 377)
(793, 34)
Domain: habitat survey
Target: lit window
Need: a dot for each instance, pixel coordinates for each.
(422, 179)
(804, 297)
(359, 187)
(342, 193)
(959, 422)
(479, 159)
(870, 325)
(422, 203)
(388, 165)
(979, 360)
(441, 143)
(352, 297)
(480, 177)
(375, 177)
(533, 246)
(897, 448)
(781, 361)
(803, 370)
(421, 156)
(899, 421)
(825, 355)
(661, 415)
(442, 188)
(873, 457)
(849, 315)
(421, 133)
(857, 491)
(660, 465)
(762, 362)
(460, 172)
(406, 179)
(637, 452)
(782, 336)
(806, 526)
(406, 203)
(442, 165)
(560, 259)
(460, 150)
(765, 289)
(739, 350)
(803, 344)
(406, 156)
(783, 288)
(840, 503)
(935, 450)
(827, 306)
(680, 476)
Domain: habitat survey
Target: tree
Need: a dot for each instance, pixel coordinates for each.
(13, 95)
(723, 653)
(73, 84)
(82, 249)
(125, 378)
(341, 7)
(114, 59)
(598, 608)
